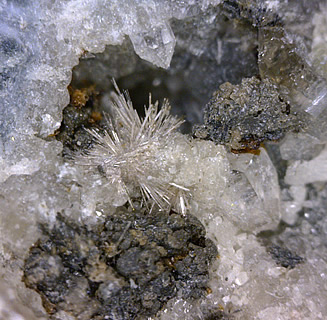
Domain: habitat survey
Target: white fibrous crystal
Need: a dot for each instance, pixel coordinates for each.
(40, 50)
(265, 210)
(130, 153)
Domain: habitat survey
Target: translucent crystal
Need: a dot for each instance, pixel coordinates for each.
(258, 191)
(280, 61)
(303, 172)
(237, 197)
(319, 36)
(307, 147)
(39, 50)
(157, 46)
(290, 208)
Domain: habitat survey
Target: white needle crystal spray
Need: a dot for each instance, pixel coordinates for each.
(131, 152)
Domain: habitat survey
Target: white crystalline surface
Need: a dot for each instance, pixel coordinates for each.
(201, 167)
(235, 196)
(303, 172)
(42, 42)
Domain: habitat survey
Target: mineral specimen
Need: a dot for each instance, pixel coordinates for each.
(284, 257)
(255, 12)
(280, 60)
(125, 267)
(243, 116)
(247, 201)
(128, 152)
(81, 114)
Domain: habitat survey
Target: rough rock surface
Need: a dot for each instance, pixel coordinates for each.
(82, 113)
(124, 268)
(245, 115)
(247, 202)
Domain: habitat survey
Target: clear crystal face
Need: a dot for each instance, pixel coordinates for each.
(222, 216)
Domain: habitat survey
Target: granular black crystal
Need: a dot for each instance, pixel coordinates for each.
(126, 267)
(245, 115)
(284, 257)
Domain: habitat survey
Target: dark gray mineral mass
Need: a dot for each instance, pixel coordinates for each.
(245, 115)
(126, 267)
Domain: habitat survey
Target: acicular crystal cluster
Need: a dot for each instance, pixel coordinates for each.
(130, 152)
(108, 212)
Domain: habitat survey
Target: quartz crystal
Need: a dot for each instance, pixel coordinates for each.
(249, 79)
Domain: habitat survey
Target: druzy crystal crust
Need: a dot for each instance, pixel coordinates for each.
(248, 166)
